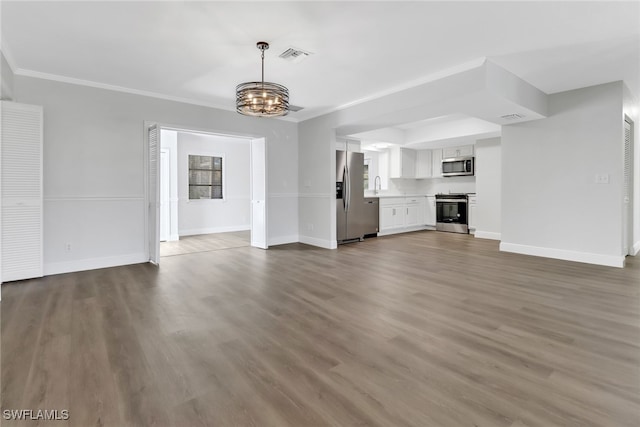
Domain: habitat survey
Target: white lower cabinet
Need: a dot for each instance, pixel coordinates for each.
(392, 215)
(430, 211)
(400, 214)
(472, 213)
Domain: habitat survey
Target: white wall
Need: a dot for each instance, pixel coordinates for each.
(551, 204)
(6, 79)
(488, 188)
(215, 216)
(631, 108)
(94, 183)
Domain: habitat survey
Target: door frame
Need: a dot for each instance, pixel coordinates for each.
(191, 129)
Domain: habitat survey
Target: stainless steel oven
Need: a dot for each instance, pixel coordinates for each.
(452, 213)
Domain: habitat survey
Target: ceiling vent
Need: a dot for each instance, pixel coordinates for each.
(294, 108)
(294, 54)
(514, 116)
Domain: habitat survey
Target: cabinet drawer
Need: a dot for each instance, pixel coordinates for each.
(413, 200)
(391, 201)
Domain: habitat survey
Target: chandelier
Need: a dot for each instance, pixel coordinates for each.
(262, 99)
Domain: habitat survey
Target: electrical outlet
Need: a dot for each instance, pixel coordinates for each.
(602, 178)
(67, 247)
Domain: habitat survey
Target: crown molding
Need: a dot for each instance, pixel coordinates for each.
(71, 80)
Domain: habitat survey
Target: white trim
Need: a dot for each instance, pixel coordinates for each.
(283, 195)
(93, 198)
(173, 238)
(586, 257)
(93, 263)
(399, 230)
(115, 88)
(488, 235)
(212, 230)
(283, 240)
(635, 248)
(314, 241)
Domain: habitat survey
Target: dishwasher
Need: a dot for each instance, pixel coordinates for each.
(371, 216)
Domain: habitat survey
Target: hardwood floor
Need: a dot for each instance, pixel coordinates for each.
(205, 243)
(421, 329)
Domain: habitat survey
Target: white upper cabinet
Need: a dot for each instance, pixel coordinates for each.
(436, 162)
(402, 162)
(423, 164)
(460, 151)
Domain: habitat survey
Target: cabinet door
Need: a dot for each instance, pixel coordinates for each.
(472, 212)
(430, 211)
(398, 216)
(449, 152)
(408, 162)
(423, 164)
(436, 162)
(465, 151)
(387, 218)
(411, 215)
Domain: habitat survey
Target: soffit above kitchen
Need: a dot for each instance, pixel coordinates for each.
(199, 51)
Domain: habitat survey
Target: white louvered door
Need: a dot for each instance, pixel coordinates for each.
(627, 217)
(154, 194)
(21, 191)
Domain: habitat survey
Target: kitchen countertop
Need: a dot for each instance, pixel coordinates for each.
(388, 196)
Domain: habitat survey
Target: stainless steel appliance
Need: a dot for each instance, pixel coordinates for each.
(458, 166)
(452, 213)
(355, 216)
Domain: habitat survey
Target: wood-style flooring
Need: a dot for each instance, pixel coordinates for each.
(205, 243)
(420, 329)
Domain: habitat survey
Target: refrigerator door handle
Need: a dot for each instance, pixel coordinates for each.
(348, 187)
(344, 188)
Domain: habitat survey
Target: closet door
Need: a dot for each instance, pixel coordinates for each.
(21, 191)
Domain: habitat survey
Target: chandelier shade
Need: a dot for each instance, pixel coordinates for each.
(262, 99)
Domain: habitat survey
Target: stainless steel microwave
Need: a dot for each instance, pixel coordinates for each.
(458, 166)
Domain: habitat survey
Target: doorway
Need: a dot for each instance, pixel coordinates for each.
(206, 191)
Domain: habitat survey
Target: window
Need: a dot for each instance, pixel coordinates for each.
(205, 177)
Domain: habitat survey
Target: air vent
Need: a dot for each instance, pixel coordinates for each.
(514, 116)
(294, 54)
(294, 108)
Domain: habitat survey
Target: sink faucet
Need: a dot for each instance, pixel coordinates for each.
(377, 184)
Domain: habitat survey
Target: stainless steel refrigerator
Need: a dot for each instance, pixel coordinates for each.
(352, 213)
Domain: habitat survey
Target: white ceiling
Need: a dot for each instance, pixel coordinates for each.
(199, 51)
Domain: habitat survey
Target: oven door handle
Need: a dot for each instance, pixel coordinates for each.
(452, 200)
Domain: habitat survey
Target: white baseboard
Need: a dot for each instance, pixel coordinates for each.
(211, 230)
(283, 240)
(404, 230)
(313, 241)
(488, 235)
(93, 263)
(636, 248)
(586, 257)
(173, 238)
